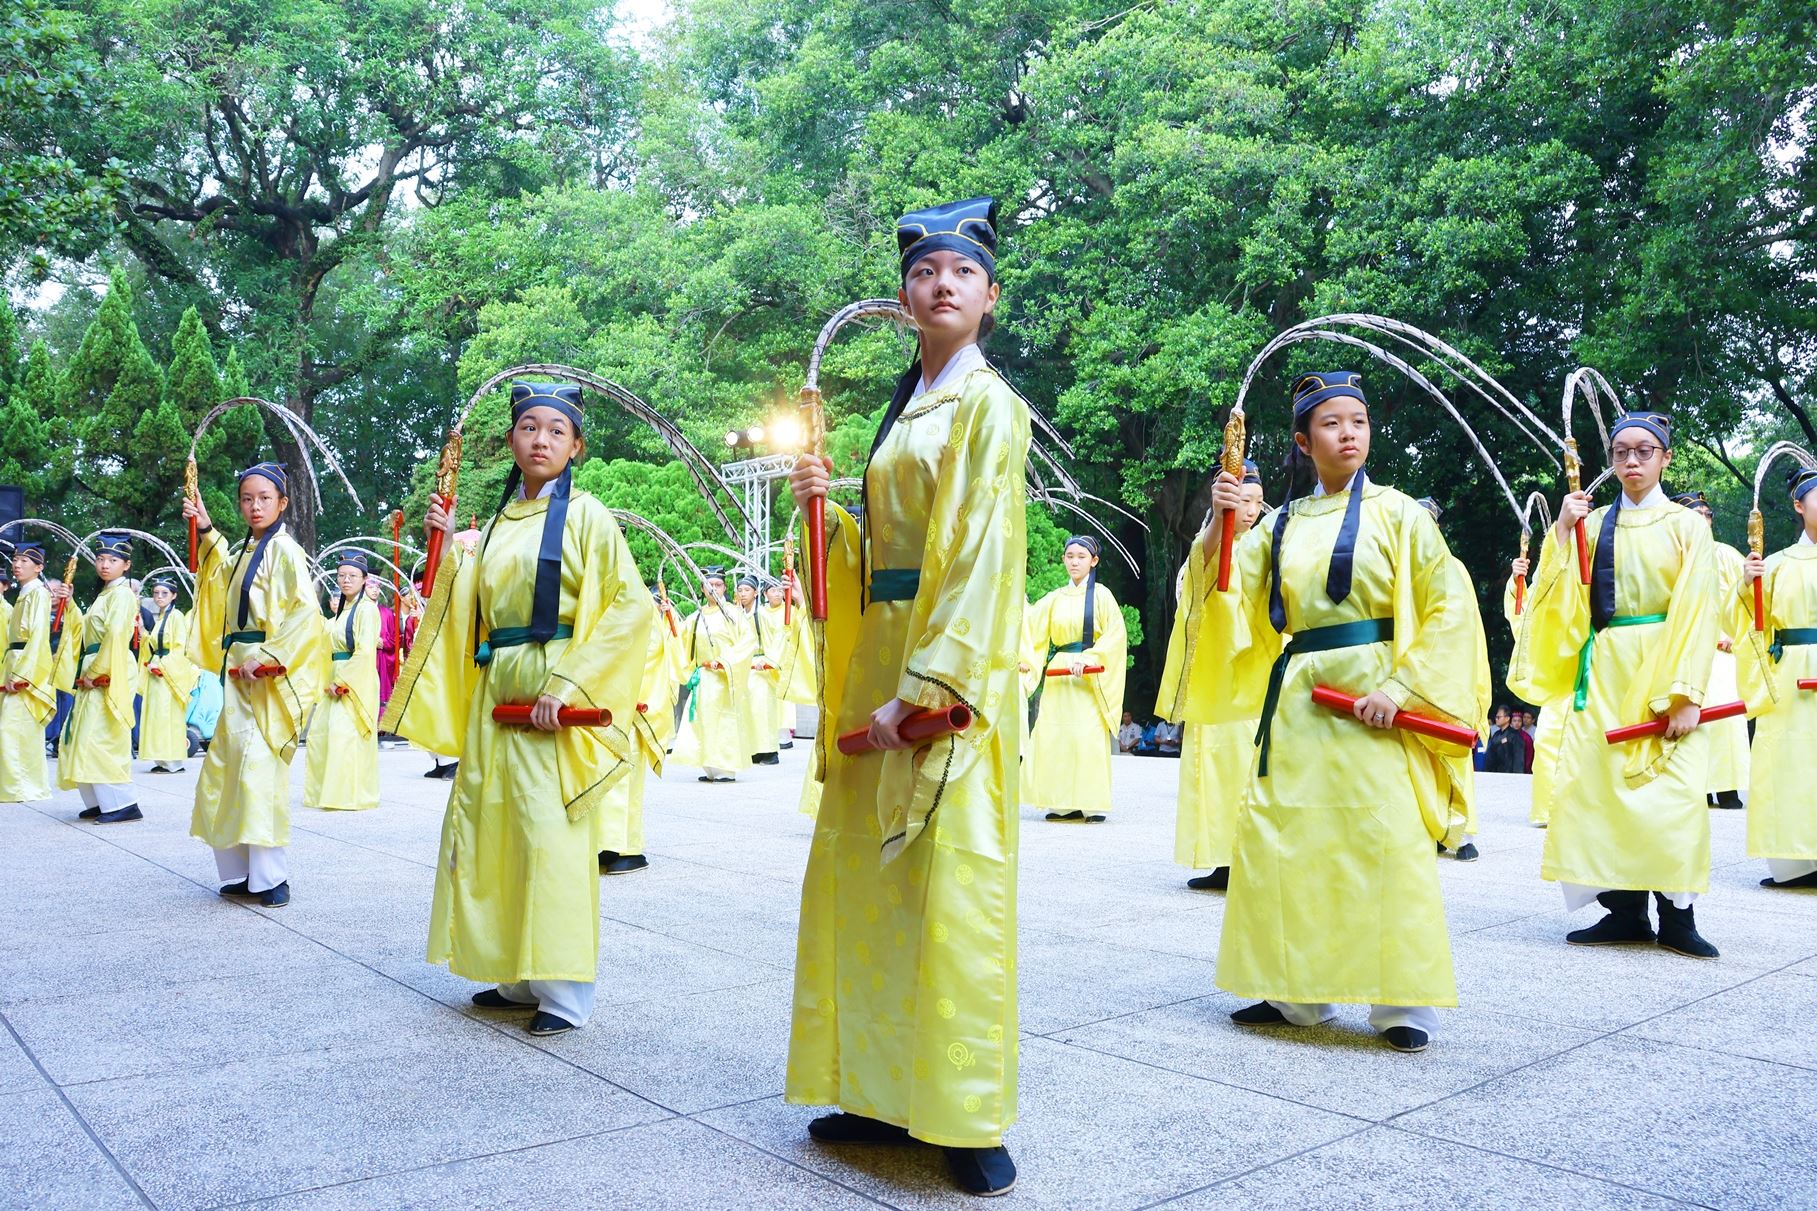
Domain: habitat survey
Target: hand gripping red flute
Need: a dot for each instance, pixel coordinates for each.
(919, 728)
(518, 715)
(1235, 439)
(1087, 671)
(1657, 727)
(1407, 721)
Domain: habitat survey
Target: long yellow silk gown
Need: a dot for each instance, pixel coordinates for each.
(1075, 731)
(24, 714)
(163, 733)
(1729, 755)
(1216, 759)
(905, 968)
(1548, 736)
(243, 794)
(517, 883)
(1782, 804)
(622, 814)
(1627, 817)
(341, 770)
(96, 746)
(787, 648)
(1334, 895)
(716, 729)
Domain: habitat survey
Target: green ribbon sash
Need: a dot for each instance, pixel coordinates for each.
(895, 584)
(1580, 695)
(1318, 639)
(1791, 637)
(513, 637)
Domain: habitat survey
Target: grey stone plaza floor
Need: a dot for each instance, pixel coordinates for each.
(163, 1047)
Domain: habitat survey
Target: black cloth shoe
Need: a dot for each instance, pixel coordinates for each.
(1678, 931)
(786, 744)
(1066, 815)
(1405, 1038)
(1626, 922)
(276, 897)
(843, 1128)
(986, 1172)
(548, 1023)
(447, 772)
(1259, 1014)
(1441, 847)
(88, 813)
(238, 889)
(492, 998)
(1217, 880)
(1728, 800)
(1809, 880)
(766, 759)
(1095, 818)
(1467, 852)
(624, 864)
(129, 812)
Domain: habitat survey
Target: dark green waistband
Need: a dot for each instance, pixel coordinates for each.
(895, 584)
(341, 656)
(89, 649)
(1356, 634)
(16, 647)
(1580, 694)
(160, 651)
(1791, 637)
(234, 637)
(514, 637)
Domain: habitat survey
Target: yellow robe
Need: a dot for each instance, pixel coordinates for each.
(1334, 895)
(622, 822)
(1216, 759)
(1075, 730)
(716, 730)
(341, 770)
(24, 771)
(1632, 816)
(96, 746)
(1548, 735)
(243, 794)
(163, 734)
(1728, 742)
(517, 883)
(1782, 808)
(1460, 768)
(785, 647)
(905, 970)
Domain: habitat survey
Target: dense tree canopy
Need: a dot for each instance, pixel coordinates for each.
(371, 208)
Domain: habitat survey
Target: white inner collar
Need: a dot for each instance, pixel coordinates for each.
(1656, 499)
(957, 366)
(541, 492)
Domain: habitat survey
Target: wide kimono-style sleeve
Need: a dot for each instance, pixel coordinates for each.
(1550, 633)
(967, 615)
(1110, 649)
(435, 689)
(177, 672)
(113, 617)
(360, 671)
(296, 641)
(34, 665)
(602, 665)
(213, 570)
(68, 658)
(1441, 663)
(1230, 642)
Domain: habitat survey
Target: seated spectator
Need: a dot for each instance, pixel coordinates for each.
(1130, 734)
(1167, 738)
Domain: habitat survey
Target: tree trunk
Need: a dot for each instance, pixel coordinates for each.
(302, 515)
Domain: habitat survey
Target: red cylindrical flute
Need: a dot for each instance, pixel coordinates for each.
(1807, 683)
(817, 558)
(1425, 725)
(1520, 593)
(195, 542)
(1226, 542)
(1084, 672)
(432, 554)
(264, 670)
(1583, 552)
(1760, 605)
(515, 715)
(918, 728)
(1657, 727)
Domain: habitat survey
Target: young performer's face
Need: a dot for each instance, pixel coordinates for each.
(261, 504)
(349, 579)
(745, 595)
(1251, 507)
(26, 569)
(372, 588)
(715, 588)
(1639, 460)
(1807, 512)
(162, 597)
(774, 595)
(1336, 437)
(1078, 561)
(948, 294)
(543, 442)
(110, 567)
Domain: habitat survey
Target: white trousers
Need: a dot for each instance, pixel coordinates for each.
(174, 767)
(569, 1000)
(728, 775)
(262, 866)
(1381, 1017)
(108, 796)
(1579, 894)
(1784, 870)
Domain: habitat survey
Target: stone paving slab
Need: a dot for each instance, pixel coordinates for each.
(162, 1047)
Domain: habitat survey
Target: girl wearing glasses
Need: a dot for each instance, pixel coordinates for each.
(1636, 643)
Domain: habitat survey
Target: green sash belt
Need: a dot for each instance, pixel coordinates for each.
(692, 685)
(1053, 649)
(1783, 638)
(16, 647)
(1319, 639)
(160, 651)
(234, 637)
(895, 584)
(1580, 696)
(89, 649)
(340, 656)
(513, 637)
